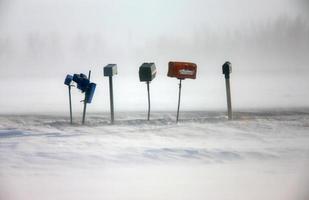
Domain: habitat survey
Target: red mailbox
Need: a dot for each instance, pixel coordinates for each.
(182, 70)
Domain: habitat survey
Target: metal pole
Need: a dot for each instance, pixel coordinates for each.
(228, 98)
(70, 100)
(179, 94)
(85, 101)
(111, 95)
(148, 101)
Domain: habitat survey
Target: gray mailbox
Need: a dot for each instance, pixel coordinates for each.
(147, 72)
(110, 70)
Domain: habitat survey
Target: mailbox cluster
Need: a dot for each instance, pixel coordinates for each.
(85, 86)
(147, 72)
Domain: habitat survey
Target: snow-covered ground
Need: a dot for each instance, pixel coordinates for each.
(260, 155)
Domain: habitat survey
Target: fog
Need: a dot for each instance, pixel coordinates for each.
(266, 41)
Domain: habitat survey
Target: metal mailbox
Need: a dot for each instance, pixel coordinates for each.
(68, 80)
(110, 70)
(147, 72)
(82, 81)
(90, 92)
(227, 69)
(182, 70)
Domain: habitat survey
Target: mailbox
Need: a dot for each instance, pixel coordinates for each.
(147, 72)
(82, 81)
(110, 70)
(227, 69)
(68, 80)
(90, 92)
(182, 70)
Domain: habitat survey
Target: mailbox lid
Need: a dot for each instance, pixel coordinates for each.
(110, 70)
(90, 92)
(182, 70)
(68, 80)
(147, 72)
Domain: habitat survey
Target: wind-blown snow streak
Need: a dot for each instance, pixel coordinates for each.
(265, 145)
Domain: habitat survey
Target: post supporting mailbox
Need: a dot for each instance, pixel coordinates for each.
(181, 71)
(148, 92)
(84, 84)
(179, 95)
(68, 81)
(227, 70)
(147, 72)
(85, 101)
(110, 70)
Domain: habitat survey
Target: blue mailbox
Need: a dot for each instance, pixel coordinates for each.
(82, 81)
(90, 92)
(86, 87)
(68, 80)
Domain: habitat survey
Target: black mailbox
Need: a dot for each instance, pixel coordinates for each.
(147, 72)
(110, 70)
(227, 69)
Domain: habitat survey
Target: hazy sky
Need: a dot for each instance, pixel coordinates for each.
(266, 41)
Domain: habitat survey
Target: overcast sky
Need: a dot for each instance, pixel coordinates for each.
(267, 41)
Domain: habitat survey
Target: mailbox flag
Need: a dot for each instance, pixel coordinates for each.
(182, 70)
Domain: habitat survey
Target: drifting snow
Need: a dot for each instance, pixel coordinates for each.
(259, 155)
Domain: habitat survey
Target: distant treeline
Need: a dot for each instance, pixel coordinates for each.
(284, 38)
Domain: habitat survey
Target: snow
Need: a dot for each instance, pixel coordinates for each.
(258, 155)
